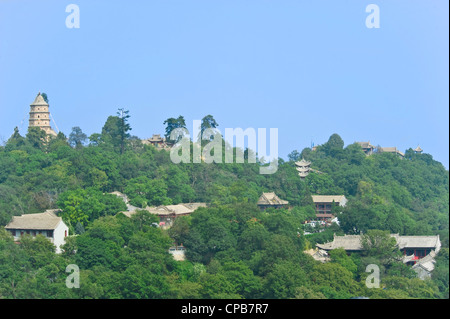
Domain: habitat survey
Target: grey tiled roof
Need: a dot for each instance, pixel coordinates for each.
(41, 221)
(271, 199)
(353, 242)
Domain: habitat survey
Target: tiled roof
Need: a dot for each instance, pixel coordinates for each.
(347, 242)
(271, 199)
(327, 198)
(353, 242)
(41, 221)
(390, 150)
(418, 242)
(39, 100)
(365, 144)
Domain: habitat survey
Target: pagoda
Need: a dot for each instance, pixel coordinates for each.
(303, 167)
(40, 115)
(418, 150)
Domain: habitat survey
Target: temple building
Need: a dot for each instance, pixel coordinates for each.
(367, 147)
(393, 150)
(303, 167)
(412, 247)
(324, 205)
(168, 213)
(418, 150)
(271, 200)
(418, 251)
(157, 141)
(40, 115)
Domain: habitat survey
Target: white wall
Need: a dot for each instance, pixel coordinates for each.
(59, 235)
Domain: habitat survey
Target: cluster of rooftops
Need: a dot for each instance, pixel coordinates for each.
(369, 149)
(418, 251)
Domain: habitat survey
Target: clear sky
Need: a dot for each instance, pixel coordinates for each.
(308, 68)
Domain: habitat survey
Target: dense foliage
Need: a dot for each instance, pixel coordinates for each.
(234, 250)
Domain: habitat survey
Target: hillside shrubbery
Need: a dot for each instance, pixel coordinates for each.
(234, 250)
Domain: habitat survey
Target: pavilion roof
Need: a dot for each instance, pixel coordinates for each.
(418, 149)
(39, 100)
(271, 199)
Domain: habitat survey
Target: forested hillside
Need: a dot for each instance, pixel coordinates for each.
(234, 250)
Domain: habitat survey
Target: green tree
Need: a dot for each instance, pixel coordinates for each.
(340, 257)
(16, 140)
(334, 281)
(294, 156)
(217, 286)
(283, 280)
(77, 138)
(82, 206)
(143, 191)
(123, 127)
(242, 278)
(115, 132)
(208, 122)
(45, 97)
(172, 124)
(39, 249)
(37, 137)
(334, 146)
(380, 244)
(14, 266)
(440, 273)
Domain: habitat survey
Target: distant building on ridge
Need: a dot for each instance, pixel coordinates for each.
(40, 115)
(367, 147)
(418, 150)
(392, 150)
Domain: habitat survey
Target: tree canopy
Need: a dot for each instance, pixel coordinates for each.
(233, 249)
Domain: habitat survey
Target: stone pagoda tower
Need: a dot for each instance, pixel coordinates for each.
(40, 115)
(303, 167)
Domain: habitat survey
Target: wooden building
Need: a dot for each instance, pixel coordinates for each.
(271, 200)
(324, 205)
(413, 248)
(368, 148)
(157, 141)
(392, 150)
(418, 150)
(168, 213)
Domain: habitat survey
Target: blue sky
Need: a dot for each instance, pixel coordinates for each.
(308, 68)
